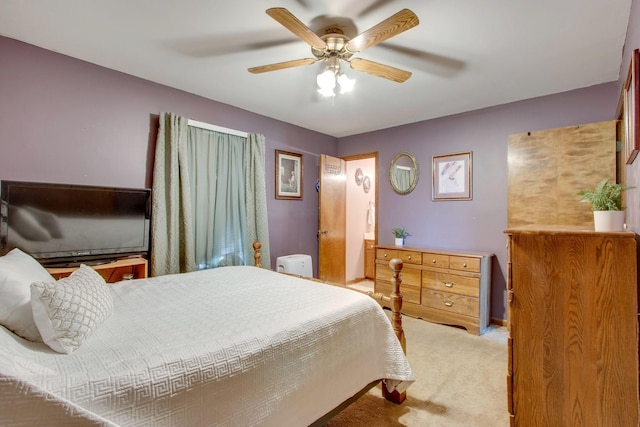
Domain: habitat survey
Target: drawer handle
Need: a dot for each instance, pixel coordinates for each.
(448, 284)
(385, 255)
(464, 264)
(433, 261)
(448, 303)
(409, 257)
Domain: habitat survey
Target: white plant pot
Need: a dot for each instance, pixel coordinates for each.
(608, 220)
(399, 241)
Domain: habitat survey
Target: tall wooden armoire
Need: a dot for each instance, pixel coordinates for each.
(573, 326)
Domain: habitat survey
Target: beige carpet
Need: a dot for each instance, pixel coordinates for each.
(460, 381)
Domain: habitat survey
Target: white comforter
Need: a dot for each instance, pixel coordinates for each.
(230, 346)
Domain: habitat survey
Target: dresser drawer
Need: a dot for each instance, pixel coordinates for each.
(464, 264)
(455, 303)
(410, 293)
(435, 260)
(447, 282)
(386, 254)
(410, 257)
(407, 257)
(410, 276)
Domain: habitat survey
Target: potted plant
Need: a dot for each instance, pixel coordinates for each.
(400, 234)
(606, 204)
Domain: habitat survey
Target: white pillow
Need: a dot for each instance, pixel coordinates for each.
(17, 271)
(69, 310)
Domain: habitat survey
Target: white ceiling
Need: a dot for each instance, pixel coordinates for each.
(464, 54)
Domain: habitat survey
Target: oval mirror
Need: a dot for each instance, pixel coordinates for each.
(404, 173)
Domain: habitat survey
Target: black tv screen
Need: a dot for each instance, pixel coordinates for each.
(67, 224)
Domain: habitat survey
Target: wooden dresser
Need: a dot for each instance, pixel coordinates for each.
(442, 286)
(573, 327)
(369, 259)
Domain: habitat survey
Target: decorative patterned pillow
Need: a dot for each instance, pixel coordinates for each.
(17, 271)
(69, 310)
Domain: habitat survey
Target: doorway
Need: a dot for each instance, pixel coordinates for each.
(360, 201)
(361, 206)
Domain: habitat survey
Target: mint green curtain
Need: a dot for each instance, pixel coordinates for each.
(256, 196)
(172, 243)
(218, 181)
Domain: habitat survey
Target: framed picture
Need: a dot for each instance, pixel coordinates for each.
(631, 110)
(288, 175)
(452, 177)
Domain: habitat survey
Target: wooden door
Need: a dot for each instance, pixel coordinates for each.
(332, 220)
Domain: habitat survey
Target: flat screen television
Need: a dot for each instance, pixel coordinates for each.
(63, 224)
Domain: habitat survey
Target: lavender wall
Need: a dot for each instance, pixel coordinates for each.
(477, 224)
(65, 120)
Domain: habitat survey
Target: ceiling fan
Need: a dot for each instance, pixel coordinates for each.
(334, 46)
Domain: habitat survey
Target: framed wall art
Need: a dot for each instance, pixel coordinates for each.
(452, 176)
(288, 175)
(631, 109)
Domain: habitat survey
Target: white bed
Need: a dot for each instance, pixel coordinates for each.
(229, 346)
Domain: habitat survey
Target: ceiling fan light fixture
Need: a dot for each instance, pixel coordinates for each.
(326, 92)
(326, 80)
(346, 84)
(331, 77)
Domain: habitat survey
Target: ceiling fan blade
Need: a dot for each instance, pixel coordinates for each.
(431, 63)
(293, 24)
(380, 70)
(392, 26)
(208, 46)
(372, 7)
(282, 65)
(303, 3)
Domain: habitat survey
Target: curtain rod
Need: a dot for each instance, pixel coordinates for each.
(215, 128)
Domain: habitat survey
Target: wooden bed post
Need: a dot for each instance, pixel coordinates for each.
(395, 301)
(256, 254)
(396, 321)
